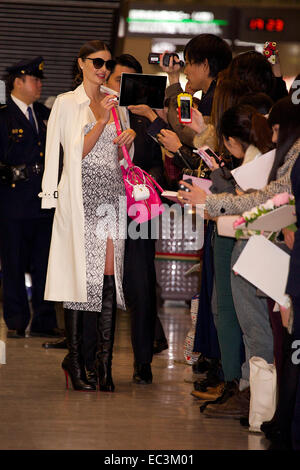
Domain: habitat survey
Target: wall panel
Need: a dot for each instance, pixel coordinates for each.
(56, 30)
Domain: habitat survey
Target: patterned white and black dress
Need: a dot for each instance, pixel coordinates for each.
(104, 204)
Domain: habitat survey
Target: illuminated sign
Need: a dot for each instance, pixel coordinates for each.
(267, 24)
(174, 22)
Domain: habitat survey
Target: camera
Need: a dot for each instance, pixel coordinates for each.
(154, 58)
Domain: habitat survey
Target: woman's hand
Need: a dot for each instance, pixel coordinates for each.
(289, 237)
(103, 112)
(196, 195)
(105, 107)
(239, 192)
(214, 164)
(143, 110)
(169, 140)
(126, 138)
(285, 315)
(198, 125)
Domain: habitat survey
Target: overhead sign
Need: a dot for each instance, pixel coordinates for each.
(175, 22)
(249, 24)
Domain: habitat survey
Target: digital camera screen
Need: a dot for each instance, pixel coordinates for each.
(138, 88)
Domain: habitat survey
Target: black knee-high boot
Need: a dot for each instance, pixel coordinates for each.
(106, 320)
(73, 363)
(89, 345)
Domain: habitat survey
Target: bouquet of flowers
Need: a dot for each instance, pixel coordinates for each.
(242, 224)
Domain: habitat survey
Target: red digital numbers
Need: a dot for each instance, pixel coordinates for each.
(269, 24)
(257, 24)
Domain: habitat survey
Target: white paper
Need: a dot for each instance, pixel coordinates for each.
(273, 221)
(265, 266)
(172, 196)
(255, 174)
(225, 225)
(203, 183)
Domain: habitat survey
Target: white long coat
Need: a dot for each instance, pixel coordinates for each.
(66, 275)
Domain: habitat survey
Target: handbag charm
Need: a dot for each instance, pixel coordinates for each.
(140, 192)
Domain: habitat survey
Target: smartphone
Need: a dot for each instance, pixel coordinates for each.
(206, 153)
(210, 153)
(154, 138)
(270, 52)
(108, 91)
(184, 101)
(184, 188)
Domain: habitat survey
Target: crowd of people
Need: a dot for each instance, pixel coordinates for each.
(55, 178)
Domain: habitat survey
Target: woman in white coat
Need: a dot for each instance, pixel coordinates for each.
(85, 268)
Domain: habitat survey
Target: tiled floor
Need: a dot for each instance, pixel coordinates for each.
(37, 412)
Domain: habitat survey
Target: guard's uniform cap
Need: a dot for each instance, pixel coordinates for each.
(33, 67)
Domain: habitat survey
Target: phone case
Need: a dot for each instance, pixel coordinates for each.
(185, 121)
(270, 51)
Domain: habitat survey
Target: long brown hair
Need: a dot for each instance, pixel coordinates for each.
(287, 115)
(227, 94)
(246, 124)
(87, 49)
(253, 69)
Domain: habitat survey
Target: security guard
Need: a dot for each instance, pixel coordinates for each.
(25, 230)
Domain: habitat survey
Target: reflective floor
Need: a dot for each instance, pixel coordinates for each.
(37, 412)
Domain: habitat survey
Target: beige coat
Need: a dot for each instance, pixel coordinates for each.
(66, 276)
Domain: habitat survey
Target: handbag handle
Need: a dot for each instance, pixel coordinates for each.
(119, 131)
(153, 181)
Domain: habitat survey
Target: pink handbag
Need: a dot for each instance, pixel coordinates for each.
(143, 202)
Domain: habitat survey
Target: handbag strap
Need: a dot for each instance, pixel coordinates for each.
(141, 175)
(119, 131)
(125, 151)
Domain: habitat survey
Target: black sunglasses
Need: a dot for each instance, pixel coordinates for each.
(98, 63)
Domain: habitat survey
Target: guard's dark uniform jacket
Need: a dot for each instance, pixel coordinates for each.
(25, 229)
(21, 145)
